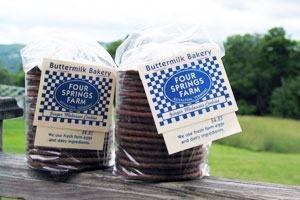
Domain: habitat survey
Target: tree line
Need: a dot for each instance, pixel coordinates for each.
(264, 73)
(263, 70)
(8, 78)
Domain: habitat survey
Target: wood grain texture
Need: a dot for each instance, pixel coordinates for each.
(17, 180)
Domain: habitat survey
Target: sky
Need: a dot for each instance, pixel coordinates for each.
(23, 21)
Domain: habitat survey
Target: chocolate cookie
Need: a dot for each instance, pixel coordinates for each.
(58, 159)
(63, 154)
(158, 153)
(133, 94)
(160, 172)
(137, 133)
(65, 160)
(139, 140)
(136, 83)
(34, 71)
(130, 88)
(63, 168)
(136, 126)
(134, 113)
(131, 107)
(145, 177)
(168, 160)
(141, 152)
(134, 119)
(134, 101)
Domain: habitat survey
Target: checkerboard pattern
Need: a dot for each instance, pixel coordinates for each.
(53, 79)
(157, 80)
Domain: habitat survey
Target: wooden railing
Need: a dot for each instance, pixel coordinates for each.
(17, 180)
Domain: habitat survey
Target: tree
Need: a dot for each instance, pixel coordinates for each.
(258, 64)
(274, 54)
(7, 78)
(19, 79)
(113, 47)
(285, 100)
(242, 69)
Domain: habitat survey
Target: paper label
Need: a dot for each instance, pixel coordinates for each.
(67, 138)
(186, 89)
(200, 133)
(75, 96)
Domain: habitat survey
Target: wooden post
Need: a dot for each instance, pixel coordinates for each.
(1, 140)
(8, 109)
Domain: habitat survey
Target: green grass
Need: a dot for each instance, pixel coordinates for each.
(266, 134)
(231, 162)
(14, 136)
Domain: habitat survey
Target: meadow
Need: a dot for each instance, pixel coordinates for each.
(265, 151)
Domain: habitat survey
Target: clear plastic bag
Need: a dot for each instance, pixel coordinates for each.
(141, 153)
(73, 48)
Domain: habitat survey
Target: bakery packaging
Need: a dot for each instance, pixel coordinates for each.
(172, 99)
(70, 81)
(141, 152)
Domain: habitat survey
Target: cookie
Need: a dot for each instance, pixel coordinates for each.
(135, 114)
(132, 107)
(31, 100)
(33, 89)
(136, 126)
(33, 82)
(128, 73)
(142, 165)
(135, 139)
(34, 71)
(158, 153)
(32, 94)
(129, 175)
(64, 168)
(129, 88)
(33, 78)
(133, 94)
(134, 101)
(143, 133)
(136, 83)
(64, 160)
(141, 152)
(160, 172)
(144, 146)
(135, 120)
(168, 160)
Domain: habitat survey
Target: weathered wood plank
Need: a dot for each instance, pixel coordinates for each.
(9, 108)
(18, 181)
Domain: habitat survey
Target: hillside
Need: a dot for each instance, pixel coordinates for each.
(10, 57)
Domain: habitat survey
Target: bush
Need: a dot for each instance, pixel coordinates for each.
(285, 100)
(245, 108)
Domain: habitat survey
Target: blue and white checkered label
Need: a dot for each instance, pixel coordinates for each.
(187, 88)
(75, 96)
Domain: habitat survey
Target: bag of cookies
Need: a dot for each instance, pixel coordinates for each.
(141, 152)
(70, 81)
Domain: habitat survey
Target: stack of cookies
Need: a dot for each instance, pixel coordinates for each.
(141, 152)
(58, 159)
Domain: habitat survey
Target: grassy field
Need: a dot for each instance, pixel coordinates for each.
(231, 162)
(266, 134)
(14, 136)
(226, 161)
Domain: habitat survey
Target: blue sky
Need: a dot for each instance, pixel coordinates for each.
(109, 20)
